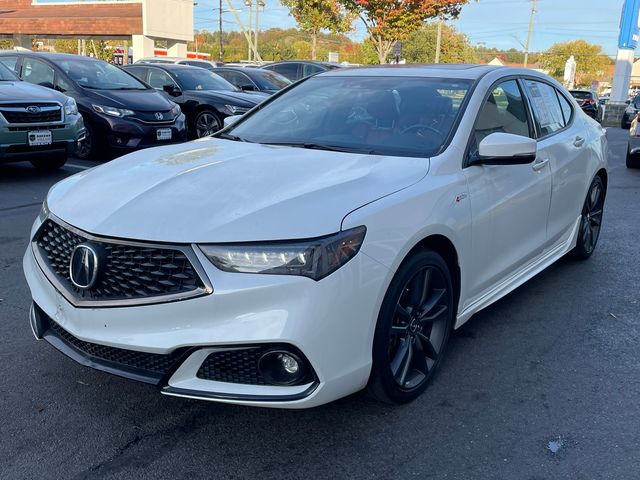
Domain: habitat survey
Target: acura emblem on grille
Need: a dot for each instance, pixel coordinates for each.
(84, 266)
(33, 109)
(159, 116)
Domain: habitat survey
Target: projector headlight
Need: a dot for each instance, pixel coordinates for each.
(112, 111)
(315, 258)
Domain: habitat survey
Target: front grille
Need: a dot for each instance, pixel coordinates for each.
(19, 113)
(233, 366)
(152, 364)
(150, 117)
(129, 271)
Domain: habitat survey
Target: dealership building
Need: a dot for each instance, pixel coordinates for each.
(142, 22)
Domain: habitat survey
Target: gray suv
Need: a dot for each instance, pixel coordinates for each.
(36, 123)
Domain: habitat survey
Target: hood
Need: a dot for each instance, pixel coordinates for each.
(237, 98)
(215, 190)
(26, 92)
(139, 100)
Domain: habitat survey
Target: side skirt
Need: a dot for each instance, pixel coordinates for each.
(521, 276)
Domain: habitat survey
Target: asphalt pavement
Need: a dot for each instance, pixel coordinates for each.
(544, 384)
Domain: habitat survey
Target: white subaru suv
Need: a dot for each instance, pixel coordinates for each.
(329, 240)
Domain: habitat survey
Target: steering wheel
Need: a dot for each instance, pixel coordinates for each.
(420, 126)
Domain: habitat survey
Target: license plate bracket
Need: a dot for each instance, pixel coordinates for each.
(163, 134)
(38, 138)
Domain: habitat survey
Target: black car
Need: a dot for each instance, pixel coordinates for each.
(205, 98)
(120, 113)
(252, 79)
(588, 101)
(294, 70)
(632, 110)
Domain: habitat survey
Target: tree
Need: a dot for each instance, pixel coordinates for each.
(389, 21)
(591, 61)
(420, 46)
(314, 16)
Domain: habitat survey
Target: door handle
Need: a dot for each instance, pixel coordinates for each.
(540, 164)
(578, 142)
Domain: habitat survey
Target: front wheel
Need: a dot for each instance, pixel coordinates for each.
(413, 328)
(591, 220)
(207, 123)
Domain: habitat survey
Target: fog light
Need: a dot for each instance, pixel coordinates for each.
(289, 363)
(279, 367)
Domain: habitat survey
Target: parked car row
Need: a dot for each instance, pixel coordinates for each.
(91, 108)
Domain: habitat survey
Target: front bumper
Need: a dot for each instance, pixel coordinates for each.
(125, 135)
(14, 145)
(331, 322)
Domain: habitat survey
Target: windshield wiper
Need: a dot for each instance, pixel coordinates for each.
(319, 146)
(228, 136)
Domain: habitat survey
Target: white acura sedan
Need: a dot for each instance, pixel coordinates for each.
(329, 240)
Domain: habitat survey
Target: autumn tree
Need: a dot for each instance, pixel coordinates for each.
(420, 46)
(389, 21)
(314, 16)
(591, 61)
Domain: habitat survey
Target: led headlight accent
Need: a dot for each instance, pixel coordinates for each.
(314, 258)
(235, 110)
(112, 111)
(71, 107)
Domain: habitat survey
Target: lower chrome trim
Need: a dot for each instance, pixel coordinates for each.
(200, 395)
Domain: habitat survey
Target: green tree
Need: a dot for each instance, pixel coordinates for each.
(388, 21)
(420, 46)
(591, 61)
(314, 16)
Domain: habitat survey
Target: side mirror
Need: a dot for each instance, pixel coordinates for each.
(228, 121)
(172, 90)
(505, 149)
(248, 88)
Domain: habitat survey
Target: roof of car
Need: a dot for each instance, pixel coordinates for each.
(418, 70)
(51, 55)
(164, 66)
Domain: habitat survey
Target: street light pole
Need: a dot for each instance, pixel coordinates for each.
(259, 3)
(249, 5)
(534, 4)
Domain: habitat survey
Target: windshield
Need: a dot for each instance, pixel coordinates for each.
(197, 78)
(377, 115)
(99, 75)
(268, 80)
(7, 75)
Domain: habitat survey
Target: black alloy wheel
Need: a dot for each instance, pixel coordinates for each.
(207, 123)
(591, 220)
(413, 328)
(632, 160)
(86, 147)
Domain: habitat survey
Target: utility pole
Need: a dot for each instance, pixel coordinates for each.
(249, 5)
(259, 3)
(534, 4)
(220, 30)
(438, 40)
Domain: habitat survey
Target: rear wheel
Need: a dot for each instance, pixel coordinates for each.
(49, 163)
(591, 220)
(633, 161)
(413, 328)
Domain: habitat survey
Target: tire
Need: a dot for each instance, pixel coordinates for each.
(88, 147)
(409, 342)
(633, 161)
(49, 163)
(206, 123)
(591, 220)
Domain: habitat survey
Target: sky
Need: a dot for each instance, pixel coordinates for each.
(496, 23)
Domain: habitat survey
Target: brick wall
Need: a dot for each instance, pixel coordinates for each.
(21, 17)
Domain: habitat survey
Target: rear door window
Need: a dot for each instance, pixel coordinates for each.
(289, 70)
(567, 110)
(546, 107)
